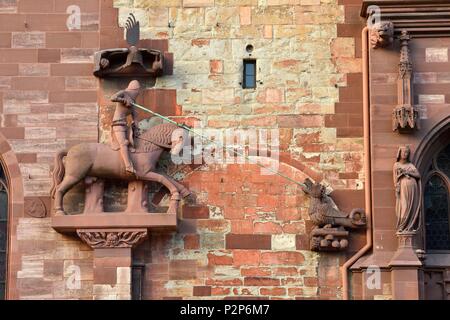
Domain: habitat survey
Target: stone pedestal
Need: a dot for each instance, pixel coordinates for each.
(137, 197)
(112, 260)
(405, 269)
(94, 195)
(113, 235)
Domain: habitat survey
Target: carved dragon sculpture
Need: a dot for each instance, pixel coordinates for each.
(324, 212)
(330, 232)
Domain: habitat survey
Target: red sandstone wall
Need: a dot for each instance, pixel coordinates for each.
(247, 234)
(430, 84)
(248, 239)
(47, 102)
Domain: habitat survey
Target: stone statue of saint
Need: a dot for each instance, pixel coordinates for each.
(122, 133)
(407, 191)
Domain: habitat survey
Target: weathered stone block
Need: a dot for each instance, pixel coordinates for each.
(197, 3)
(152, 3)
(283, 242)
(272, 15)
(28, 40)
(218, 96)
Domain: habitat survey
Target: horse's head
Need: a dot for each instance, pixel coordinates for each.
(180, 138)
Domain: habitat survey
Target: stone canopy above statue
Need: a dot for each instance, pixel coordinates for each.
(128, 62)
(132, 61)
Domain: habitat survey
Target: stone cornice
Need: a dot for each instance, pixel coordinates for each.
(421, 18)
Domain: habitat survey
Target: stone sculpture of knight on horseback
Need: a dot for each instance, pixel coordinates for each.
(129, 157)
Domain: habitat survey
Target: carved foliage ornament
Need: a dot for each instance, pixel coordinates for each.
(112, 239)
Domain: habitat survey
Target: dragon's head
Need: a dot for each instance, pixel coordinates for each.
(315, 190)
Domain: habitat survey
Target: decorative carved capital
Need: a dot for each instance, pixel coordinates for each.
(381, 34)
(405, 239)
(112, 238)
(405, 118)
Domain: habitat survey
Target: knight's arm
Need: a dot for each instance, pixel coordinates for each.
(118, 96)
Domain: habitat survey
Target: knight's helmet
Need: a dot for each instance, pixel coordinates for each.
(133, 89)
(134, 56)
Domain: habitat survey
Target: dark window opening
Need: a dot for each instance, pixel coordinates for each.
(437, 202)
(137, 281)
(436, 214)
(249, 81)
(3, 233)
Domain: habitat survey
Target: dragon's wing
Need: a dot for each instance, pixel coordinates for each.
(132, 26)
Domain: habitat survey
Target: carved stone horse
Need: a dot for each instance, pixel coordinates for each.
(101, 161)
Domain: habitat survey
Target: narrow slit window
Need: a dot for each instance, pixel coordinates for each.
(3, 233)
(249, 74)
(137, 280)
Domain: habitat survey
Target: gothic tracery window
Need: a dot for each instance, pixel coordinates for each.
(437, 202)
(3, 233)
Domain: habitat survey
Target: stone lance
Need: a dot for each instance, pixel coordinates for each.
(185, 127)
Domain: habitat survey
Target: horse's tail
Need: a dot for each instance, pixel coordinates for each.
(58, 171)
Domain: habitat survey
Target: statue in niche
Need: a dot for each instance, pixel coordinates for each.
(407, 192)
(129, 61)
(381, 34)
(97, 161)
(330, 232)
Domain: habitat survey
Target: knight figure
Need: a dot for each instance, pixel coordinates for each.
(122, 133)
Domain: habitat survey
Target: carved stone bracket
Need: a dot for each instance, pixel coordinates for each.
(112, 280)
(405, 117)
(330, 233)
(381, 34)
(112, 238)
(329, 239)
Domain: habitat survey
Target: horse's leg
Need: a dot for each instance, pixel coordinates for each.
(152, 176)
(181, 189)
(67, 183)
(175, 196)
